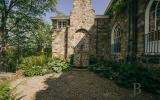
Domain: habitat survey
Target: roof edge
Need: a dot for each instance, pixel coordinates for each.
(108, 7)
(68, 17)
(60, 17)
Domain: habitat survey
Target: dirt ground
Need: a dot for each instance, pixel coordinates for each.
(72, 85)
(10, 76)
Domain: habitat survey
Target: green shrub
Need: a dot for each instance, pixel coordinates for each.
(40, 65)
(128, 74)
(5, 92)
(34, 61)
(36, 70)
(93, 59)
(35, 65)
(132, 73)
(58, 65)
(107, 69)
(12, 60)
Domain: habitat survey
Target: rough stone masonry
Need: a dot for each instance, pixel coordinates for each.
(76, 34)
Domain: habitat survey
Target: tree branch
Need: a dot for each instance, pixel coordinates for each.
(12, 4)
(15, 24)
(4, 4)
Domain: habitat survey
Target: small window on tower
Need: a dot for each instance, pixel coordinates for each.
(61, 24)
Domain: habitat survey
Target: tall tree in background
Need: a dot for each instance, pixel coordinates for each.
(13, 13)
(42, 37)
(29, 41)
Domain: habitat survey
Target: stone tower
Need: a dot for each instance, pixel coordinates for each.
(81, 21)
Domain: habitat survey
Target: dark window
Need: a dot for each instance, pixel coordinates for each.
(116, 39)
(154, 22)
(62, 24)
(152, 38)
(154, 16)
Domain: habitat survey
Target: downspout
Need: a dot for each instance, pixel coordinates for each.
(128, 36)
(135, 30)
(132, 48)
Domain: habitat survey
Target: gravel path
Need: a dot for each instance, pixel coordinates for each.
(73, 85)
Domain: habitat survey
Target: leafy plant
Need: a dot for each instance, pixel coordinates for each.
(5, 92)
(127, 74)
(34, 61)
(59, 65)
(36, 70)
(12, 60)
(40, 65)
(35, 65)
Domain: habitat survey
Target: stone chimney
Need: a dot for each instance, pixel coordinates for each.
(82, 14)
(81, 21)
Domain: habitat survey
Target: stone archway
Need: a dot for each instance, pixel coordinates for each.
(81, 49)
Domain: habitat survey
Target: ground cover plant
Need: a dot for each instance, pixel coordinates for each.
(128, 74)
(5, 91)
(40, 65)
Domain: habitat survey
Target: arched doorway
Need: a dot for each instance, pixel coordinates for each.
(81, 49)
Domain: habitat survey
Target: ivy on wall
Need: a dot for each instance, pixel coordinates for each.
(119, 7)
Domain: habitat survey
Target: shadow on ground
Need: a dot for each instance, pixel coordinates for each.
(84, 85)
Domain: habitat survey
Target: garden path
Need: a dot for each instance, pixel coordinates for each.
(72, 85)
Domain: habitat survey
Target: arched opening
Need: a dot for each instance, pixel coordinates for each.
(81, 49)
(116, 39)
(152, 28)
(82, 30)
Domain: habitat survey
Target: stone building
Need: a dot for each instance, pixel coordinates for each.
(77, 34)
(86, 36)
(136, 38)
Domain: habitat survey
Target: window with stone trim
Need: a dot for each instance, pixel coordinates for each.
(152, 28)
(116, 39)
(61, 23)
(154, 16)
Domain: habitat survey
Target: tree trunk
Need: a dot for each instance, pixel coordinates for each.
(3, 54)
(3, 47)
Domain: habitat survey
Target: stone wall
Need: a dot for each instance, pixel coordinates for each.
(81, 21)
(58, 39)
(90, 36)
(58, 43)
(132, 39)
(103, 40)
(149, 60)
(124, 32)
(141, 5)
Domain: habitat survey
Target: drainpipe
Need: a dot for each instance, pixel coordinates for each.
(128, 35)
(131, 55)
(135, 30)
